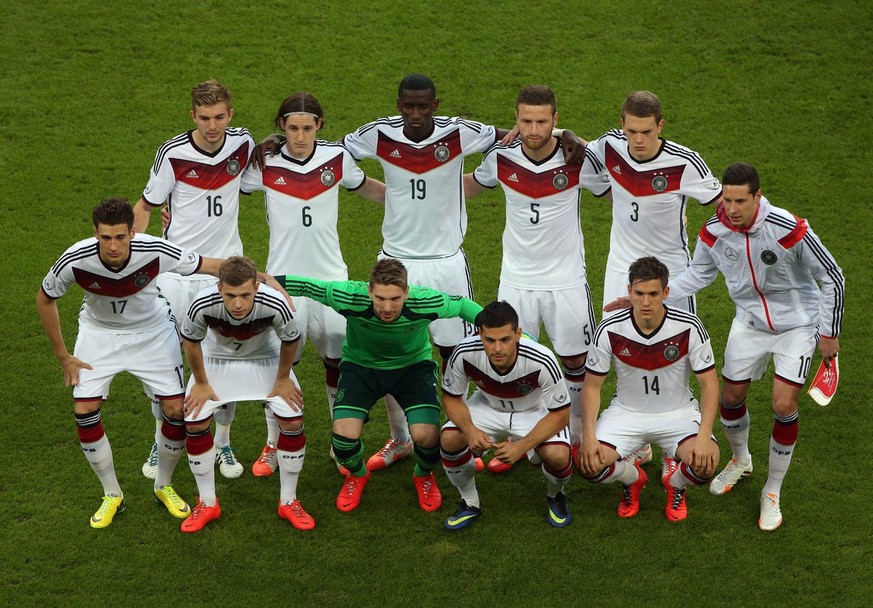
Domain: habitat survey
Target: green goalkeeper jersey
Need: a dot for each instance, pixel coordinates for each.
(371, 342)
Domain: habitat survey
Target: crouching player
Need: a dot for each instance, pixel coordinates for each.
(521, 396)
(655, 349)
(240, 338)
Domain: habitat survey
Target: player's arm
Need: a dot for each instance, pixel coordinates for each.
(700, 274)
(210, 265)
(458, 412)
(822, 265)
(591, 453)
(284, 386)
(51, 322)
(142, 212)
(465, 308)
(270, 146)
(704, 451)
(201, 391)
(548, 426)
(472, 188)
(372, 190)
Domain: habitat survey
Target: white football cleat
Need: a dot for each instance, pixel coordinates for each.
(771, 515)
(725, 481)
(229, 466)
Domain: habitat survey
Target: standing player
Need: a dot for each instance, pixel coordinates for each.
(521, 394)
(771, 261)
(650, 180)
(301, 186)
(425, 213)
(543, 270)
(386, 351)
(240, 339)
(655, 349)
(197, 174)
(124, 325)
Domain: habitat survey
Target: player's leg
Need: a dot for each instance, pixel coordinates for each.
(228, 465)
(266, 463)
(150, 466)
(201, 458)
(357, 391)
(557, 468)
(676, 432)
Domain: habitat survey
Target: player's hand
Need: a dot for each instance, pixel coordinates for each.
(165, 218)
(509, 137)
(704, 456)
(509, 452)
(287, 390)
(617, 304)
(829, 348)
(71, 366)
(268, 279)
(574, 148)
(478, 441)
(592, 457)
(200, 393)
(269, 147)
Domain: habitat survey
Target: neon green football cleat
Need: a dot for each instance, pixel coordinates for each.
(112, 504)
(174, 503)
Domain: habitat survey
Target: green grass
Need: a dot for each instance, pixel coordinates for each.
(91, 89)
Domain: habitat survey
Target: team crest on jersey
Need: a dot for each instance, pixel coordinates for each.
(671, 353)
(732, 254)
(659, 183)
(328, 178)
(560, 181)
(141, 280)
(233, 167)
(523, 388)
(441, 153)
(768, 257)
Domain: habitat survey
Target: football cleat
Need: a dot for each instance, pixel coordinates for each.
(172, 501)
(725, 481)
(200, 516)
(229, 466)
(293, 512)
(641, 456)
(111, 505)
(771, 514)
(497, 466)
(390, 453)
(630, 495)
(150, 467)
(559, 513)
(676, 509)
(463, 517)
(350, 495)
(668, 467)
(266, 463)
(479, 464)
(429, 496)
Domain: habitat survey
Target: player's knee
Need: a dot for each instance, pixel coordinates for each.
(291, 425)
(172, 408)
(452, 440)
(193, 428)
(425, 435)
(555, 457)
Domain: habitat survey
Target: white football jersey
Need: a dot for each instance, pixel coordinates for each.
(652, 370)
(125, 300)
(534, 382)
(543, 247)
(202, 191)
(649, 198)
(256, 336)
(302, 199)
(425, 212)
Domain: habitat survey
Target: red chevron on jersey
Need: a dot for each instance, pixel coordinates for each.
(514, 389)
(642, 183)
(535, 185)
(649, 356)
(128, 285)
(211, 177)
(795, 236)
(244, 331)
(419, 160)
(304, 185)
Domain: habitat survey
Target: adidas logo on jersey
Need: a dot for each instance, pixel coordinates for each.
(280, 181)
(94, 285)
(625, 352)
(395, 154)
(192, 174)
(616, 169)
(512, 178)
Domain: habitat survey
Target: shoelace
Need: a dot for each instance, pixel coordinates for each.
(296, 508)
(197, 511)
(426, 486)
(267, 456)
(626, 494)
(678, 495)
(101, 512)
(171, 495)
(226, 454)
(153, 456)
(388, 447)
(351, 484)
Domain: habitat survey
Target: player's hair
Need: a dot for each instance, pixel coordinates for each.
(416, 82)
(389, 271)
(300, 101)
(497, 314)
(236, 270)
(642, 104)
(537, 95)
(647, 269)
(112, 212)
(210, 93)
(742, 174)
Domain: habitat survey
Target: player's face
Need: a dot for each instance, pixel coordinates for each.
(647, 300)
(238, 299)
(740, 204)
(388, 301)
(211, 123)
(535, 124)
(301, 131)
(114, 243)
(642, 135)
(501, 345)
(417, 108)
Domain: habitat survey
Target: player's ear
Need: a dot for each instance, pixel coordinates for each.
(436, 103)
(666, 292)
(229, 113)
(318, 124)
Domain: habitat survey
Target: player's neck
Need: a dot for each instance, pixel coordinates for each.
(541, 153)
(204, 145)
(647, 325)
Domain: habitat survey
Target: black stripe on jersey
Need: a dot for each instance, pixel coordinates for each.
(833, 271)
(159, 246)
(690, 155)
(65, 260)
(616, 134)
(276, 303)
(783, 222)
(465, 347)
(445, 122)
(180, 140)
(206, 301)
(548, 363)
(351, 299)
(685, 317)
(618, 317)
(386, 121)
(592, 158)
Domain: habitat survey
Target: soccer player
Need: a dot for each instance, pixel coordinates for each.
(124, 325)
(301, 185)
(197, 175)
(542, 274)
(520, 394)
(386, 350)
(240, 338)
(654, 349)
(771, 261)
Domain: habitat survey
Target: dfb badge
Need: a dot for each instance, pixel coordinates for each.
(560, 181)
(441, 153)
(233, 167)
(768, 257)
(659, 183)
(524, 388)
(141, 281)
(671, 353)
(328, 178)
